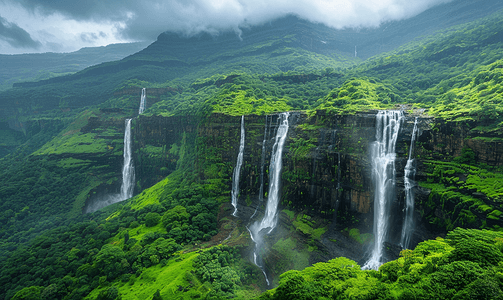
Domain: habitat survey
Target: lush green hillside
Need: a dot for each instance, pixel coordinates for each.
(464, 265)
(176, 239)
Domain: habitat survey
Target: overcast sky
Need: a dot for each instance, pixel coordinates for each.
(28, 26)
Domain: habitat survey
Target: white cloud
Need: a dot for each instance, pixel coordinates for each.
(69, 25)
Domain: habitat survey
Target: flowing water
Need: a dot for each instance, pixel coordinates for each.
(128, 178)
(143, 101)
(269, 221)
(127, 168)
(409, 183)
(237, 169)
(383, 177)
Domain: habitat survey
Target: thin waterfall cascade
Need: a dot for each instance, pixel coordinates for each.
(262, 165)
(409, 183)
(128, 177)
(269, 221)
(275, 166)
(143, 101)
(383, 177)
(237, 169)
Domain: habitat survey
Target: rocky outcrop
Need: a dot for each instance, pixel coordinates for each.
(449, 139)
(158, 146)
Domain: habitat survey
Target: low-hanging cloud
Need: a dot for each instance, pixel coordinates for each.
(146, 19)
(16, 36)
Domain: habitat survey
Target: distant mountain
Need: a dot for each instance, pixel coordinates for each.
(39, 66)
(286, 44)
(389, 36)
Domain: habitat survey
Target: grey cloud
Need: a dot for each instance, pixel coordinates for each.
(16, 36)
(146, 19)
(88, 37)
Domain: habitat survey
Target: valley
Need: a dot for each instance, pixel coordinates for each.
(273, 167)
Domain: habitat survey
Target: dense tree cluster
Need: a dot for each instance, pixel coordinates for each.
(467, 264)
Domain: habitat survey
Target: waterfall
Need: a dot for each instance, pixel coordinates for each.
(262, 166)
(383, 177)
(269, 221)
(237, 169)
(128, 168)
(127, 186)
(143, 101)
(409, 183)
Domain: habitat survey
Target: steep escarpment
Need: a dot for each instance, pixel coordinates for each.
(327, 171)
(158, 146)
(326, 182)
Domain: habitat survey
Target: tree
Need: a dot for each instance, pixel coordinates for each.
(152, 219)
(29, 293)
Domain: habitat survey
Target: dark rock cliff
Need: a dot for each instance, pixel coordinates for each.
(326, 163)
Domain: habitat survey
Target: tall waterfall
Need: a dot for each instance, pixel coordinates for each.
(128, 168)
(237, 169)
(269, 221)
(143, 101)
(383, 177)
(410, 173)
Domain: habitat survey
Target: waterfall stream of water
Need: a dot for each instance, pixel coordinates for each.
(143, 101)
(127, 186)
(383, 177)
(409, 183)
(237, 169)
(268, 223)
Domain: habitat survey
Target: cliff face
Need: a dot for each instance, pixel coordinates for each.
(449, 139)
(326, 163)
(327, 168)
(158, 146)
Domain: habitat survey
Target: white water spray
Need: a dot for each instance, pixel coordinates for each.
(128, 168)
(269, 221)
(237, 169)
(410, 173)
(383, 176)
(143, 101)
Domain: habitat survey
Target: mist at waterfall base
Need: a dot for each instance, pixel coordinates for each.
(237, 169)
(259, 229)
(383, 178)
